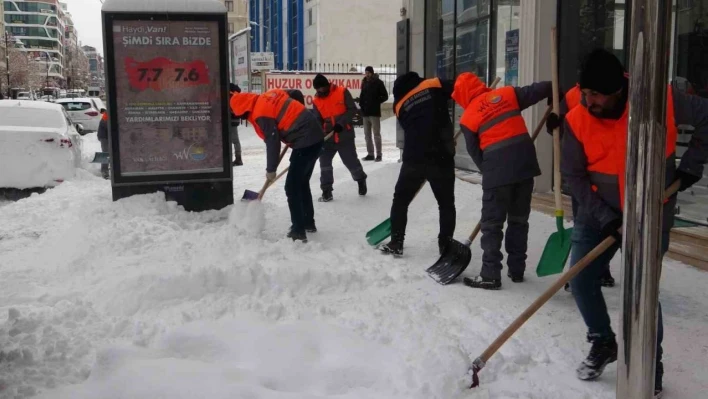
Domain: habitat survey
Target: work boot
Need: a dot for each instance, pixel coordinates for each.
(567, 287)
(326, 196)
(443, 244)
(516, 277)
(606, 280)
(378, 158)
(362, 187)
(297, 236)
(482, 282)
(311, 228)
(368, 158)
(602, 353)
(394, 247)
(237, 161)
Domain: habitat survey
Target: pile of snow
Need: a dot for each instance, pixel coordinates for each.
(140, 299)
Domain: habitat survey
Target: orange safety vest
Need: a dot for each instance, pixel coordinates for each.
(332, 107)
(605, 145)
(104, 117)
(495, 116)
(433, 83)
(573, 97)
(276, 104)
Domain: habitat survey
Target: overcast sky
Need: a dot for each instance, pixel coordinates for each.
(87, 20)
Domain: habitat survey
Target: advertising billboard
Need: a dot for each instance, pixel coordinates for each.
(168, 117)
(303, 82)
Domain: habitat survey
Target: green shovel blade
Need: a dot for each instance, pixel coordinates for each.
(556, 252)
(379, 233)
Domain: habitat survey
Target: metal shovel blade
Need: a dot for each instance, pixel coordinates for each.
(379, 233)
(451, 264)
(555, 254)
(101, 157)
(249, 195)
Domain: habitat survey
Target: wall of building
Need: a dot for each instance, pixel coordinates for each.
(362, 31)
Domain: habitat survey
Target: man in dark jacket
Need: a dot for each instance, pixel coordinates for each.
(592, 162)
(373, 94)
(233, 130)
(428, 154)
(102, 136)
(334, 107)
(500, 146)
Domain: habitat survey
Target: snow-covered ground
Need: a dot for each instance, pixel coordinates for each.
(139, 299)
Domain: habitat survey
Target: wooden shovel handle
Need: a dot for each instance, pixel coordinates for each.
(566, 277)
(556, 131)
(535, 134)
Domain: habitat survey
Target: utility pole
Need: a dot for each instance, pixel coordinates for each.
(7, 62)
(644, 192)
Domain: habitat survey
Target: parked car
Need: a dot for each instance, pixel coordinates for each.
(24, 95)
(98, 103)
(39, 145)
(82, 110)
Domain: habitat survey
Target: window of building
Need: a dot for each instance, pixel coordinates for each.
(231, 27)
(309, 17)
(229, 6)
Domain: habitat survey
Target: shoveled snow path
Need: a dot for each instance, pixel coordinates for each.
(144, 299)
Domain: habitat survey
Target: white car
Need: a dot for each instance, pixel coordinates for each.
(24, 95)
(82, 110)
(39, 146)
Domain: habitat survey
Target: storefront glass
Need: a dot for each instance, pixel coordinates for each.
(506, 51)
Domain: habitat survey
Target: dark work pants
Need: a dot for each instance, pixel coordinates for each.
(411, 178)
(586, 285)
(575, 206)
(104, 148)
(347, 152)
(510, 203)
(297, 186)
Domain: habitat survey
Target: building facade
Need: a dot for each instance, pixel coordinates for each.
(95, 67)
(3, 48)
(305, 33)
(237, 14)
(39, 24)
(510, 39)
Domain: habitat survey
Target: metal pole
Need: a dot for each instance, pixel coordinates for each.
(7, 62)
(644, 186)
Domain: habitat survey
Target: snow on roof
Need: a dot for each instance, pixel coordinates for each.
(175, 6)
(30, 104)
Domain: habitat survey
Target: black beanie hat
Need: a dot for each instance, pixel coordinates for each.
(369, 69)
(404, 84)
(234, 88)
(602, 72)
(320, 81)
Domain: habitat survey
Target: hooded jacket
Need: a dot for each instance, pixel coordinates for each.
(276, 117)
(373, 94)
(421, 106)
(495, 133)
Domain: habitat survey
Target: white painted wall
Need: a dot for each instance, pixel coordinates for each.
(362, 31)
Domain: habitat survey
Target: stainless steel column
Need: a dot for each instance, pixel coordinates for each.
(644, 189)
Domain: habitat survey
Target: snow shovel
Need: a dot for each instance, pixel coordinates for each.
(101, 157)
(381, 232)
(249, 195)
(557, 249)
(481, 361)
(458, 255)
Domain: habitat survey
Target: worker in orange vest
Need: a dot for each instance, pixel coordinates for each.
(502, 149)
(278, 118)
(102, 136)
(593, 164)
(335, 108)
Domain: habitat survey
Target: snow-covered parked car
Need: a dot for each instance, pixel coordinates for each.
(39, 146)
(82, 110)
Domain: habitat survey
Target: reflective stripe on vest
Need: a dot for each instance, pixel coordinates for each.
(495, 116)
(276, 104)
(605, 145)
(433, 83)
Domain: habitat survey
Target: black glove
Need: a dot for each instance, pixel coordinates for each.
(687, 180)
(357, 100)
(337, 128)
(552, 122)
(612, 229)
